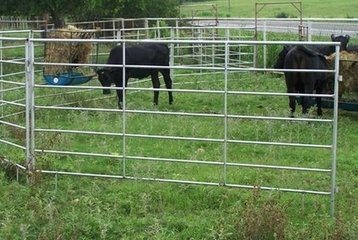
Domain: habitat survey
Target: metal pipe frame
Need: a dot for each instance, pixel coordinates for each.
(13, 125)
(31, 129)
(12, 103)
(201, 162)
(350, 20)
(30, 110)
(13, 144)
(1, 77)
(335, 131)
(200, 31)
(11, 74)
(11, 89)
(184, 182)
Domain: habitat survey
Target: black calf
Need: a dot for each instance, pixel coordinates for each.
(143, 54)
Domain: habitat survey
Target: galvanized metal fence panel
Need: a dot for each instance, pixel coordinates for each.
(33, 131)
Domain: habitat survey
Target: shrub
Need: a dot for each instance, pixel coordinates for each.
(282, 15)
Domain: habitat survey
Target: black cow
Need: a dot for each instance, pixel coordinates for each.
(352, 48)
(150, 54)
(328, 50)
(301, 57)
(325, 50)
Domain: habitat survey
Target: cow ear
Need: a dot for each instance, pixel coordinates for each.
(348, 37)
(333, 37)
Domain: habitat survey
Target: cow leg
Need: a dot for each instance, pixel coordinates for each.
(319, 101)
(301, 89)
(156, 85)
(291, 88)
(292, 103)
(120, 92)
(307, 101)
(168, 83)
(119, 95)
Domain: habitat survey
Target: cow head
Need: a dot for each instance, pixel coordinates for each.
(105, 79)
(281, 57)
(343, 39)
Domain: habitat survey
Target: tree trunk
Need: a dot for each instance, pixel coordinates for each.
(44, 25)
(57, 20)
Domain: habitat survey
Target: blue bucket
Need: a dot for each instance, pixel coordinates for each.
(69, 78)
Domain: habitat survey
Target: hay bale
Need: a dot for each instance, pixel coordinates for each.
(348, 68)
(65, 52)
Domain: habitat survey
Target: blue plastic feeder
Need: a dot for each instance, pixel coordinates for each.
(69, 78)
(348, 106)
(329, 103)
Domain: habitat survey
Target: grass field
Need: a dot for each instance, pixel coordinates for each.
(246, 8)
(68, 207)
(87, 208)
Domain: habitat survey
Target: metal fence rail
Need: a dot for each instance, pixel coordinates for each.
(209, 54)
(33, 131)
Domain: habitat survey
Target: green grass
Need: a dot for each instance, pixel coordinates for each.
(311, 8)
(87, 208)
(93, 208)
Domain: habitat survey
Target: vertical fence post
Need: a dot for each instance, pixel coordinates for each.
(309, 31)
(146, 26)
(255, 56)
(227, 38)
(113, 28)
(177, 35)
(158, 27)
(256, 39)
(264, 46)
(1, 77)
(124, 108)
(1, 83)
(123, 25)
(200, 50)
(335, 130)
(207, 50)
(120, 35)
(227, 49)
(239, 49)
(213, 47)
(172, 52)
(30, 120)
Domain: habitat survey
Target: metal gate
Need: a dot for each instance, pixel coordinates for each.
(221, 152)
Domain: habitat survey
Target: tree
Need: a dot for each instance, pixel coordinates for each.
(59, 10)
(131, 9)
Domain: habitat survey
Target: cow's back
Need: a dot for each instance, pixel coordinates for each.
(300, 57)
(143, 54)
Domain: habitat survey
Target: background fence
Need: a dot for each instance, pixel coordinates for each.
(270, 29)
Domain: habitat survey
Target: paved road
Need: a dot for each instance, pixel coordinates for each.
(317, 27)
